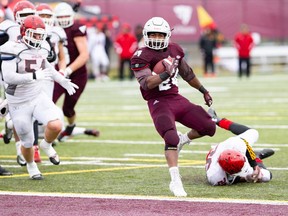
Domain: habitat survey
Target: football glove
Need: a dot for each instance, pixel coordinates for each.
(170, 65)
(4, 108)
(43, 74)
(69, 86)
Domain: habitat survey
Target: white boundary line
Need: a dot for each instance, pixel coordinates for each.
(159, 198)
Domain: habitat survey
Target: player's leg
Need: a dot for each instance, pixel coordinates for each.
(22, 119)
(69, 104)
(165, 125)
(37, 157)
(47, 113)
(195, 118)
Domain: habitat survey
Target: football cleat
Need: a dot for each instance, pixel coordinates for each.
(8, 134)
(213, 115)
(183, 140)
(92, 132)
(4, 172)
(37, 157)
(21, 160)
(265, 153)
(67, 132)
(55, 159)
(50, 152)
(37, 177)
(34, 172)
(177, 189)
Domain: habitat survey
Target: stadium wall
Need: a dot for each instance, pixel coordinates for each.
(266, 17)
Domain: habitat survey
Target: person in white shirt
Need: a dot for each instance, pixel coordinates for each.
(24, 67)
(234, 160)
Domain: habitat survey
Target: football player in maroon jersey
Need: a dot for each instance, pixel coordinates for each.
(165, 104)
(76, 59)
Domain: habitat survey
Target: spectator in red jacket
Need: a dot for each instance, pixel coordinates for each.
(125, 46)
(244, 43)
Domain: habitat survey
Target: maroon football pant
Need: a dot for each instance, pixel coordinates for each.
(166, 111)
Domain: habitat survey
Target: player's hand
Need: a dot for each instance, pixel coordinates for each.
(41, 74)
(255, 176)
(208, 99)
(170, 65)
(69, 86)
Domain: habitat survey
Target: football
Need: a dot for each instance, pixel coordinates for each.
(159, 67)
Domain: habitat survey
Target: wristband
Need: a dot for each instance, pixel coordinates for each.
(202, 89)
(68, 71)
(34, 75)
(163, 76)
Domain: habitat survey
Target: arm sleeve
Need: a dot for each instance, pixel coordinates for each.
(10, 76)
(185, 71)
(57, 77)
(141, 76)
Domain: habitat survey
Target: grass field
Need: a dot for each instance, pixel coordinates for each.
(128, 159)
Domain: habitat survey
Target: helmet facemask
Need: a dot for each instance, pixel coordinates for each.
(34, 38)
(21, 15)
(65, 21)
(156, 43)
(156, 25)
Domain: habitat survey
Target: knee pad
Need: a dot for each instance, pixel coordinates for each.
(171, 139)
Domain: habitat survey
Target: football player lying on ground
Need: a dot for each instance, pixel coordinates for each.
(234, 160)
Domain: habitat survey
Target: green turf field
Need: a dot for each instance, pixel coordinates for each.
(128, 157)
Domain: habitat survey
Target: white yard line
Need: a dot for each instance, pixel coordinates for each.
(135, 197)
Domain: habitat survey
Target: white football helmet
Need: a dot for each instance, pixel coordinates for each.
(159, 25)
(64, 15)
(45, 12)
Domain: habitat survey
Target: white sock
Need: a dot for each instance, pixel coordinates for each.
(186, 137)
(174, 173)
(47, 148)
(18, 147)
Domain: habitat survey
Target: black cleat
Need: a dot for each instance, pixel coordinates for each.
(265, 153)
(92, 132)
(67, 132)
(4, 172)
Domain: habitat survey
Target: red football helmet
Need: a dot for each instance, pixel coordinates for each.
(45, 12)
(23, 9)
(33, 31)
(231, 161)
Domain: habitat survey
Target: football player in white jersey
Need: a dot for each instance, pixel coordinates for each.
(24, 67)
(234, 160)
(11, 28)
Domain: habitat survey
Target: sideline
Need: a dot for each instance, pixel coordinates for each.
(136, 197)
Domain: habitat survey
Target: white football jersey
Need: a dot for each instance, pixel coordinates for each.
(57, 35)
(11, 28)
(25, 61)
(215, 174)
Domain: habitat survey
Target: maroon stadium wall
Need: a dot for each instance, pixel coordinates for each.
(267, 17)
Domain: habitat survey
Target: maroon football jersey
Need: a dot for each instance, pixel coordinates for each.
(73, 31)
(146, 57)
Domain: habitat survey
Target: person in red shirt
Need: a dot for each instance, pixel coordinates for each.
(244, 43)
(125, 46)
